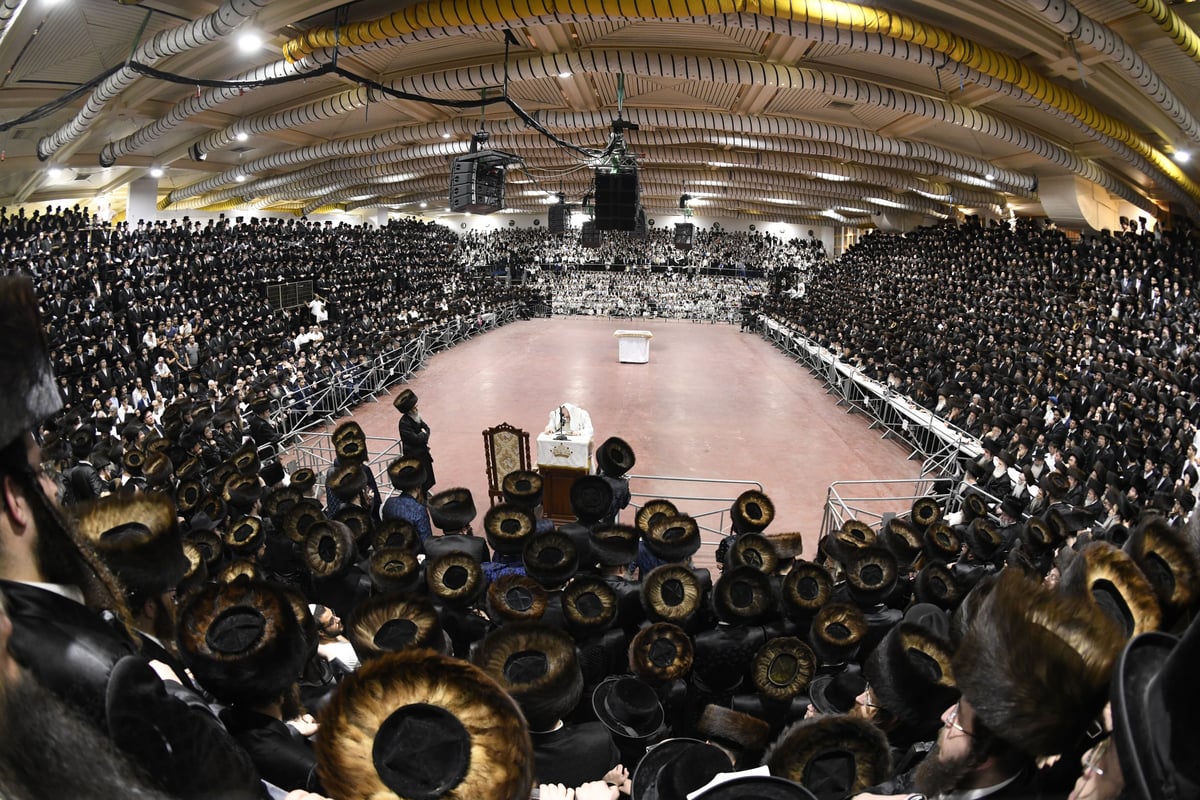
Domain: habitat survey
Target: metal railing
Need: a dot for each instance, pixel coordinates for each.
(316, 452)
(708, 509)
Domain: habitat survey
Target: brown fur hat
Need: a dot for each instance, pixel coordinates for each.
(788, 544)
(515, 598)
(241, 492)
(507, 527)
(1112, 579)
(615, 457)
(671, 593)
(941, 542)
(246, 460)
(852, 535)
(1167, 559)
(396, 533)
(753, 550)
(394, 569)
(523, 487)
(138, 538)
(417, 724)
(674, 539)
(733, 729)
(244, 536)
(350, 443)
(661, 652)
(347, 480)
(538, 665)
(358, 520)
(743, 596)
(550, 558)
(241, 568)
(452, 509)
(405, 401)
(783, 668)
(30, 394)
(911, 675)
(407, 473)
(935, 584)
(903, 539)
(303, 479)
(390, 623)
(806, 588)
(302, 517)
(1035, 664)
(925, 512)
(589, 605)
(833, 756)
(329, 549)
(650, 514)
(615, 545)
(241, 640)
(836, 632)
(871, 575)
(983, 538)
(591, 498)
(455, 578)
(751, 512)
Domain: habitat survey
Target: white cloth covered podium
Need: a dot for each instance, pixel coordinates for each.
(633, 347)
(574, 452)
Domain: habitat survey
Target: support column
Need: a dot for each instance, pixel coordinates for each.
(143, 201)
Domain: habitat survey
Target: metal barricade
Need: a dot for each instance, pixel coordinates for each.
(708, 509)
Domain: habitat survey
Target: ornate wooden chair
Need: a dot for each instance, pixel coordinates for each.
(507, 450)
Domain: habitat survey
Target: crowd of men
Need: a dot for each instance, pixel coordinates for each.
(674, 295)
(210, 625)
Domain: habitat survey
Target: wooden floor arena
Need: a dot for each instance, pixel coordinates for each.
(712, 403)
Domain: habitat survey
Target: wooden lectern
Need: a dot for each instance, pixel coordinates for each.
(560, 462)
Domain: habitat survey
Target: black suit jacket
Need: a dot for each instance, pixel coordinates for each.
(574, 754)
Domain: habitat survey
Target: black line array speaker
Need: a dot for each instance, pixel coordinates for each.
(616, 200)
(639, 224)
(685, 232)
(557, 218)
(477, 184)
(590, 237)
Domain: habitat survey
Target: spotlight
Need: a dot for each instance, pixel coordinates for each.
(249, 42)
(240, 179)
(990, 176)
(241, 136)
(1183, 156)
(156, 172)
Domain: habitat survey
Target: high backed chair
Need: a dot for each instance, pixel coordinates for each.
(507, 450)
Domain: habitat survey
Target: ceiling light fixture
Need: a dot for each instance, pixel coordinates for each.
(240, 178)
(1182, 156)
(241, 136)
(250, 42)
(156, 172)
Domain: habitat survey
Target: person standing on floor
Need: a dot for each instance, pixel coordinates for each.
(414, 433)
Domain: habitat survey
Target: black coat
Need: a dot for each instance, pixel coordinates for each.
(415, 438)
(574, 754)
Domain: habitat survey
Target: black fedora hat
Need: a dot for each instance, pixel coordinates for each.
(615, 545)
(671, 593)
(407, 473)
(455, 578)
(837, 692)
(673, 768)
(550, 558)
(507, 527)
(654, 510)
(783, 668)
(752, 511)
(515, 598)
(628, 707)
(591, 498)
(806, 589)
(1153, 689)
(423, 726)
(615, 457)
(452, 509)
(589, 605)
(753, 550)
(661, 652)
(537, 665)
(523, 487)
(389, 623)
(743, 596)
(673, 538)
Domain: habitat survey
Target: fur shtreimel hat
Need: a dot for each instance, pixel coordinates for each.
(245, 536)
(941, 542)
(359, 521)
(836, 632)
(743, 596)
(871, 575)
(733, 729)
(753, 550)
(806, 589)
(751, 512)
(241, 492)
(902, 538)
(523, 487)
(347, 480)
(329, 549)
(396, 533)
(834, 757)
(137, 537)
(452, 510)
(30, 395)
(422, 726)
(935, 584)
(674, 538)
(507, 528)
(394, 569)
(591, 498)
(852, 535)
(242, 641)
(661, 652)
(655, 510)
(615, 457)
(671, 593)
(1168, 560)
(911, 675)
(407, 473)
(615, 545)
(550, 558)
(783, 668)
(302, 517)
(536, 664)
(925, 512)
(1112, 579)
(1035, 664)
(515, 598)
(589, 605)
(390, 623)
(455, 578)
(303, 479)
(406, 401)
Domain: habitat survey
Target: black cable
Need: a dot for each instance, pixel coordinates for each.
(58, 103)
